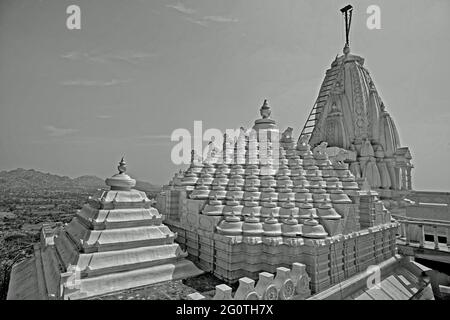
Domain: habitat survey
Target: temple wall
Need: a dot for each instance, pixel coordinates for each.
(328, 261)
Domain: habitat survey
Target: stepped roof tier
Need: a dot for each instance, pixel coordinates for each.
(290, 182)
(116, 241)
(265, 201)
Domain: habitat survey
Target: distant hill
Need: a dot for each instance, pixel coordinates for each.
(90, 182)
(30, 179)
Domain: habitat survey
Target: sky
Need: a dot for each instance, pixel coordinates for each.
(72, 102)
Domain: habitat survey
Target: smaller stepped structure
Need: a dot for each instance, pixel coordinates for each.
(116, 241)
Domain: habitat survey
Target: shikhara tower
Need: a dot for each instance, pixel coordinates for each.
(349, 113)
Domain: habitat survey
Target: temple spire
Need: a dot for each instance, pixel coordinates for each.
(347, 12)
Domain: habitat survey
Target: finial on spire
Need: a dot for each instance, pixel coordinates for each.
(347, 12)
(265, 110)
(122, 166)
(121, 181)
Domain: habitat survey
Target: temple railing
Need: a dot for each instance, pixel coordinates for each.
(430, 198)
(412, 232)
(429, 204)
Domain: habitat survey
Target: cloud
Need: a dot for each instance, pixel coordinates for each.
(202, 21)
(180, 7)
(129, 57)
(220, 19)
(94, 83)
(58, 132)
(196, 21)
(132, 58)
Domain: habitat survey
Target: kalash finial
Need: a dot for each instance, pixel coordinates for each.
(121, 181)
(347, 13)
(122, 166)
(346, 49)
(265, 110)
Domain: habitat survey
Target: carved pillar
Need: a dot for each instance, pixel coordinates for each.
(408, 176)
(436, 238)
(407, 235)
(390, 164)
(403, 173)
(421, 235)
(397, 178)
(448, 237)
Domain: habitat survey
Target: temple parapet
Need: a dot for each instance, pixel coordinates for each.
(286, 284)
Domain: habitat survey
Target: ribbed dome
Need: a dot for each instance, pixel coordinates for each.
(351, 108)
(388, 134)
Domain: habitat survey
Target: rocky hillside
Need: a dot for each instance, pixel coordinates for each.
(32, 179)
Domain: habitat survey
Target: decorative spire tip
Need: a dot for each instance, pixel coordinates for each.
(347, 13)
(265, 110)
(122, 166)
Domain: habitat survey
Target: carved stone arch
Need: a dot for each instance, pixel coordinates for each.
(303, 283)
(271, 293)
(287, 290)
(252, 296)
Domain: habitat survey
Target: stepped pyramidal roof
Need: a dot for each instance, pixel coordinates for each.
(266, 201)
(116, 241)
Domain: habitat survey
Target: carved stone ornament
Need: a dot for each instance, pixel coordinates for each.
(271, 293)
